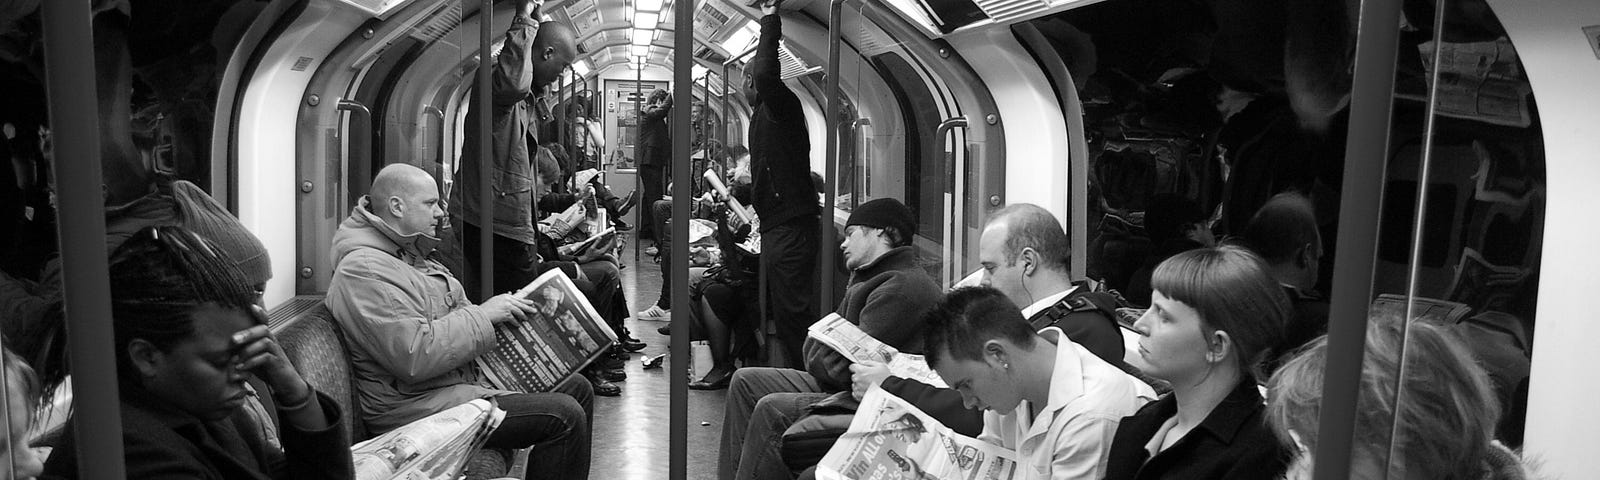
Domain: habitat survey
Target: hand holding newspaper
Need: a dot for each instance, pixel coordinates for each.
(837, 332)
(434, 448)
(733, 203)
(889, 439)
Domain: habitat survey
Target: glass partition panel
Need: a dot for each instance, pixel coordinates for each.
(1465, 276)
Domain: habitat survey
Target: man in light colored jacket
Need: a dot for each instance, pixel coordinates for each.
(413, 333)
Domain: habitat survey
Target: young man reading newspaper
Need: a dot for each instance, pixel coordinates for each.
(886, 297)
(1044, 396)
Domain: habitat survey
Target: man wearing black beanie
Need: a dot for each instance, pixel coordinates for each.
(887, 295)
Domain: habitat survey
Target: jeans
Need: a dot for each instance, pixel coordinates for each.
(555, 424)
(740, 417)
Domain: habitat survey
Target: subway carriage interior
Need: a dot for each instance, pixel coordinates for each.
(1099, 111)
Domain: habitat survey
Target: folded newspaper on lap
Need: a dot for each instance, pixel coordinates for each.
(434, 448)
(890, 439)
(845, 337)
(561, 337)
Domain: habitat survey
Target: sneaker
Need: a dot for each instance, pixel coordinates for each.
(652, 251)
(655, 313)
(627, 203)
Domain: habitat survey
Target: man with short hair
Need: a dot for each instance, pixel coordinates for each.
(1284, 232)
(1050, 399)
(533, 56)
(414, 334)
(1024, 254)
(886, 296)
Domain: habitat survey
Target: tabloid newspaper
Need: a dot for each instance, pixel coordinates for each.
(834, 331)
(434, 448)
(891, 440)
(561, 337)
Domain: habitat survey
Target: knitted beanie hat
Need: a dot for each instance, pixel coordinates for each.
(201, 214)
(884, 212)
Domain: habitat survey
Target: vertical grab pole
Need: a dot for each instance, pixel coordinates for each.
(952, 233)
(830, 184)
(86, 292)
(1366, 148)
(682, 64)
(485, 149)
(638, 152)
(727, 112)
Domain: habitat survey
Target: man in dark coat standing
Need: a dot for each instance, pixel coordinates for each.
(655, 140)
(784, 198)
(534, 55)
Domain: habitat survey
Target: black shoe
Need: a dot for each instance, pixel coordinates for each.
(631, 344)
(627, 203)
(621, 226)
(602, 387)
(664, 330)
(613, 375)
(716, 379)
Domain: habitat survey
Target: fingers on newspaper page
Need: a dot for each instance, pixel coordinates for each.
(891, 440)
(855, 344)
(434, 448)
(562, 336)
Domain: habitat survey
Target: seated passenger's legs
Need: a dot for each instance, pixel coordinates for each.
(762, 454)
(749, 385)
(554, 424)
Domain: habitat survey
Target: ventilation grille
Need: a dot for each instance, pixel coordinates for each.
(869, 43)
(1003, 11)
(443, 19)
(792, 66)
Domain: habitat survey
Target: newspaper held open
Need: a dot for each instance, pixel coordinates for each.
(855, 344)
(563, 335)
(889, 439)
(436, 447)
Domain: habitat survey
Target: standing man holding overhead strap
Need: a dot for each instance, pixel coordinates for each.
(656, 139)
(534, 55)
(784, 197)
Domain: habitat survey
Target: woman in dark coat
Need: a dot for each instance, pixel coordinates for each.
(196, 364)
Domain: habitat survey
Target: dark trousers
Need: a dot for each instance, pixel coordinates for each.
(789, 261)
(604, 291)
(555, 424)
(654, 183)
(661, 211)
(515, 264)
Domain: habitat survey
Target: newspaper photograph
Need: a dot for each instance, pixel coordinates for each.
(434, 448)
(561, 337)
(855, 344)
(890, 439)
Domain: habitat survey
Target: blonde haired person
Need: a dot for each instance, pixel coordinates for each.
(1444, 414)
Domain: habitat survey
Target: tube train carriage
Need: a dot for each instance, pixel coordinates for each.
(1449, 146)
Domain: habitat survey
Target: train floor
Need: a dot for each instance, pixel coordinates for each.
(631, 431)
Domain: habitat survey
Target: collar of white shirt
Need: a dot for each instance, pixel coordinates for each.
(1046, 302)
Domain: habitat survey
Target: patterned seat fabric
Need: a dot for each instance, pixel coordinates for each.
(316, 347)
